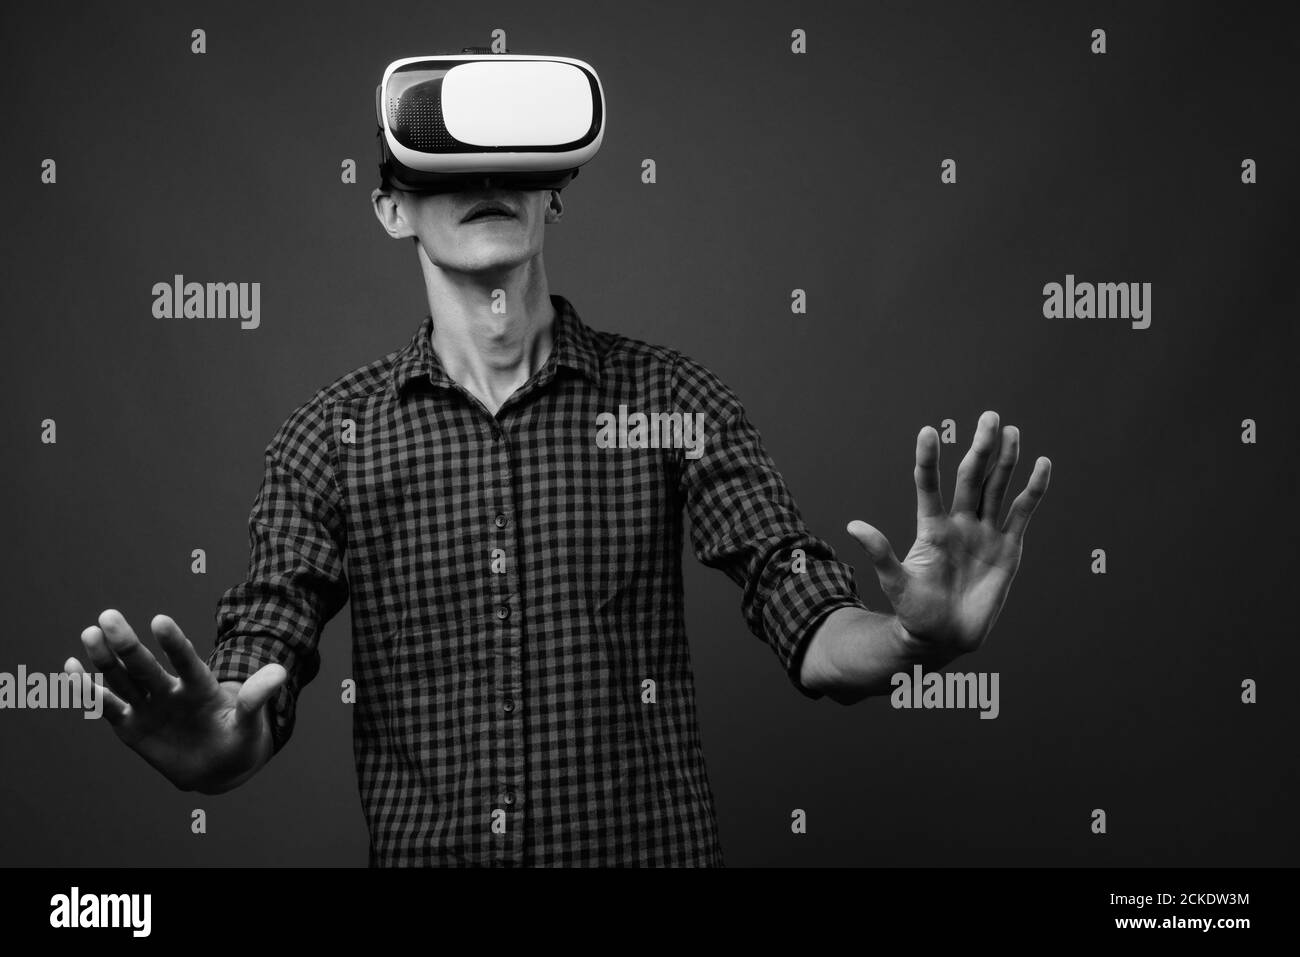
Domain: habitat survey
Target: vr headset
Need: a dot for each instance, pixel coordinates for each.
(466, 120)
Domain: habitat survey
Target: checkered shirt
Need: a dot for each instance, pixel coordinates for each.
(524, 691)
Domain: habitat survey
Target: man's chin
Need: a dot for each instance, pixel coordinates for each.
(491, 262)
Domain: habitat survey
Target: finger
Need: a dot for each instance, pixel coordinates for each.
(996, 485)
(974, 465)
(114, 707)
(1022, 509)
(929, 498)
(115, 676)
(192, 670)
(888, 569)
(258, 690)
(138, 660)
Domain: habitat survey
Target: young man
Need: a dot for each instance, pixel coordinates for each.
(524, 687)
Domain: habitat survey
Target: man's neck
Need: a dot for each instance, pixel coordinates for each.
(491, 333)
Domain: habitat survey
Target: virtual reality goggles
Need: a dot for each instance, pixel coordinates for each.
(516, 121)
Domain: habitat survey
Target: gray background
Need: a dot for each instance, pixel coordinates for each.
(775, 171)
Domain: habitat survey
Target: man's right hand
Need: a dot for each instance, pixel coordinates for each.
(203, 735)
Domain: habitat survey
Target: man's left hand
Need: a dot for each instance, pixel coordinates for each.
(948, 591)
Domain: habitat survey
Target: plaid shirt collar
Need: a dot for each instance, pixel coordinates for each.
(573, 346)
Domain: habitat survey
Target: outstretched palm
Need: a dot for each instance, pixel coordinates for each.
(201, 734)
(948, 590)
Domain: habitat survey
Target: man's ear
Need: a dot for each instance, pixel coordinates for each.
(389, 213)
(554, 207)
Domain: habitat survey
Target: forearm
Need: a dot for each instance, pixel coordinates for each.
(855, 652)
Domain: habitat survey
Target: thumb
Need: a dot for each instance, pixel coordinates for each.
(876, 545)
(257, 690)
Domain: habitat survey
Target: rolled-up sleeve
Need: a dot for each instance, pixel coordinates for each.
(744, 521)
(296, 573)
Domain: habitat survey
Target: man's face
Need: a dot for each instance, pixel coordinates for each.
(472, 230)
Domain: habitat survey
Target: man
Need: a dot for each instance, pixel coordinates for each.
(524, 689)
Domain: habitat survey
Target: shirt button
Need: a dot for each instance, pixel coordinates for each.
(501, 520)
(508, 797)
(503, 612)
(509, 705)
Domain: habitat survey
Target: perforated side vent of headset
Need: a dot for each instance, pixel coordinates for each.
(416, 119)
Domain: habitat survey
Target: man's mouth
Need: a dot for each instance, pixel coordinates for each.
(490, 209)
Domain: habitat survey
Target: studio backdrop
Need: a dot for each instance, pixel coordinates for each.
(865, 219)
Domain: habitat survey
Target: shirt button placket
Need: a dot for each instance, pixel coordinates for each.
(508, 619)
